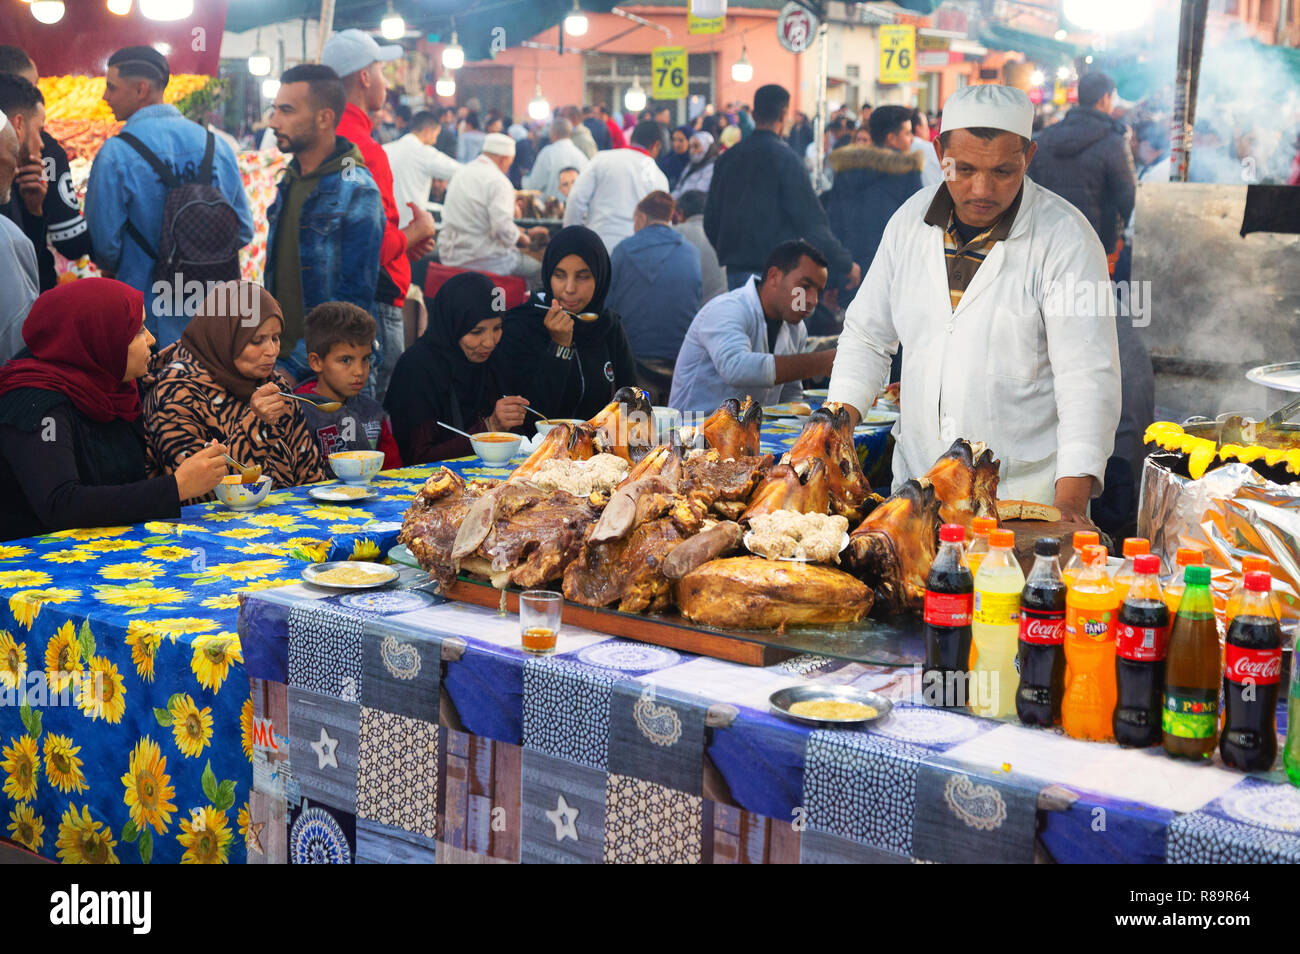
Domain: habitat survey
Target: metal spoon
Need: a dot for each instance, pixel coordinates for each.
(324, 405)
(244, 472)
(585, 316)
(454, 430)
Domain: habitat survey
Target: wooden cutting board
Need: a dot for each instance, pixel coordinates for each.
(1029, 532)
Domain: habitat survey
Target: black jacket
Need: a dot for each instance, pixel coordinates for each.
(60, 221)
(760, 197)
(1086, 161)
(870, 184)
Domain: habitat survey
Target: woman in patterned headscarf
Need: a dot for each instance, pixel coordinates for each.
(219, 383)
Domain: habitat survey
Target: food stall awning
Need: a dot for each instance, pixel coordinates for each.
(1042, 49)
(475, 19)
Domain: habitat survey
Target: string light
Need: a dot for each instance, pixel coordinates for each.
(634, 99)
(741, 70)
(446, 85)
(270, 87)
(575, 24)
(259, 63)
(453, 55)
(167, 9)
(392, 26)
(119, 7)
(47, 11)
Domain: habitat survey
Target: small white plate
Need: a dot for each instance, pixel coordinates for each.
(783, 410)
(342, 493)
(844, 543)
(380, 575)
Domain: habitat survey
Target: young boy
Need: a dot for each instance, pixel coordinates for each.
(338, 338)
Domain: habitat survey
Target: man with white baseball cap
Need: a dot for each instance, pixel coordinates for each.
(19, 281)
(359, 61)
(478, 216)
(998, 292)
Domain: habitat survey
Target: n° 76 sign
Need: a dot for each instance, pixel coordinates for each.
(668, 68)
(897, 53)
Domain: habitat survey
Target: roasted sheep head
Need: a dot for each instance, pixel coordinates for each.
(750, 592)
(965, 480)
(784, 488)
(727, 483)
(431, 523)
(562, 442)
(625, 426)
(733, 428)
(664, 461)
(893, 548)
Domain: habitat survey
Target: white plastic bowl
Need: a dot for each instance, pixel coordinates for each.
(238, 496)
(544, 427)
(357, 467)
(495, 451)
(665, 418)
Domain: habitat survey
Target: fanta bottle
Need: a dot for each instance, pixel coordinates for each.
(1081, 539)
(996, 629)
(1124, 576)
(1184, 558)
(1091, 617)
(1249, 564)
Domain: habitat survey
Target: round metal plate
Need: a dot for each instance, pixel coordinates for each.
(403, 555)
(783, 699)
(383, 575)
(341, 494)
(1280, 377)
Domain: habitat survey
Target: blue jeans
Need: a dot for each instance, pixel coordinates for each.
(296, 365)
(391, 332)
(738, 276)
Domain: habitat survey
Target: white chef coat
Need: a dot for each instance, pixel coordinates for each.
(478, 220)
(607, 191)
(1027, 362)
(555, 156)
(415, 166)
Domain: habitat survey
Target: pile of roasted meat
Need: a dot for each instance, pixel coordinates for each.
(669, 534)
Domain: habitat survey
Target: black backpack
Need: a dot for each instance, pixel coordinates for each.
(199, 239)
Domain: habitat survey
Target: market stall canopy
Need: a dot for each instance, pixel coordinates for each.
(475, 19)
(1043, 50)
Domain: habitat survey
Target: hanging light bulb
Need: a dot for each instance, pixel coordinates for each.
(1063, 73)
(634, 98)
(47, 11)
(453, 55)
(1036, 78)
(119, 7)
(392, 26)
(1059, 35)
(538, 107)
(270, 87)
(259, 63)
(446, 85)
(742, 71)
(166, 9)
(575, 24)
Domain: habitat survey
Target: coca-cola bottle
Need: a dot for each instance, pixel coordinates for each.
(1042, 638)
(1142, 640)
(1252, 670)
(949, 603)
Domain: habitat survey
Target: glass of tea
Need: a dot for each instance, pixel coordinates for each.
(539, 620)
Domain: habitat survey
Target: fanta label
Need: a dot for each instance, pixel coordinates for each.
(1087, 622)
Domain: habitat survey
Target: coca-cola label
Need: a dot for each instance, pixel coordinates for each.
(1042, 627)
(1142, 643)
(949, 609)
(1263, 667)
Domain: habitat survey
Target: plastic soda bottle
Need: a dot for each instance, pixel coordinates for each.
(1193, 673)
(1249, 564)
(1042, 638)
(1184, 558)
(1081, 539)
(1291, 754)
(996, 629)
(1252, 670)
(1133, 547)
(949, 604)
(1142, 641)
(976, 551)
(1091, 618)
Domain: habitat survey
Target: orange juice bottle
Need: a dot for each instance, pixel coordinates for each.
(976, 551)
(1091, 617)
(1249, 564)
(1081, 539)
(1125, 575)
(1184, 558)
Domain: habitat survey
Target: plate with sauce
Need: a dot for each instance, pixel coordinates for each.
(341, 493)
(349, 575)
(830, 705)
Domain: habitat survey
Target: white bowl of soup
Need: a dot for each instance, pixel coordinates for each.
(357, 467)
(544, 426)
(241, 496)
(495, 447)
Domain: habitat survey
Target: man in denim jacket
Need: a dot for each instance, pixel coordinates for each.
(125, 191)
(327, 221)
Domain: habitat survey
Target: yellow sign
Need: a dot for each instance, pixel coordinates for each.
(696, 24)
(1060, 94)
(668, 72)
(897, 53)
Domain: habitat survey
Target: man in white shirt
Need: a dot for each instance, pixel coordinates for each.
(478, 218)
(559, 154)
(750, 341)
(19, 281)
(605, 196)
(416, 163)
(998, 292)
(931, 174)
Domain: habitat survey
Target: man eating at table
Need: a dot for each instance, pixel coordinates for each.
(977, 280)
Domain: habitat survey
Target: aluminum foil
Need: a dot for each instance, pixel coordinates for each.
(1230, 513)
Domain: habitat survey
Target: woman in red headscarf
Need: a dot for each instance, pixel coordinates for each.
(72, 450)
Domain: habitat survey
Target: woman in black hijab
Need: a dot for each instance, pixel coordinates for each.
(567, 367)
(450, 375)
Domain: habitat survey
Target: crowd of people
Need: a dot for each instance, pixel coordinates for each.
(695, 261)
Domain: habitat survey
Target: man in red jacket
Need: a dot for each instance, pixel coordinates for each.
(359, 60)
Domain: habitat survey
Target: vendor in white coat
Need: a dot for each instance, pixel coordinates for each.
(607, 191)
(998, 292)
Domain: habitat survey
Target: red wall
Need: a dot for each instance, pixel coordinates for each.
(88, 34)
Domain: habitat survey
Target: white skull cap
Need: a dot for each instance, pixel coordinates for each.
(990, 106)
